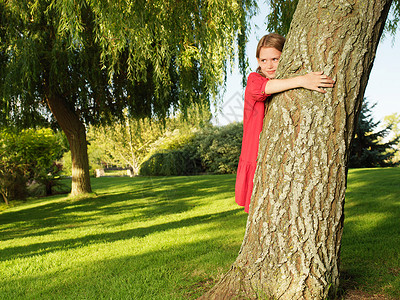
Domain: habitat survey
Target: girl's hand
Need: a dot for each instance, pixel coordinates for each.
(315, 81)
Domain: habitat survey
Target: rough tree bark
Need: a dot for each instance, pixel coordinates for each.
(76, 135)
(292, 241)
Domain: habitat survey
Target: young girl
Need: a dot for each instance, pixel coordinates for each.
(260, 85)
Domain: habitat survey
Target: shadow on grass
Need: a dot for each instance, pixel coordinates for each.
(128, 277)
(46, 247)
(174, 193)
(370, 248)
(142, 199)
(170, 272)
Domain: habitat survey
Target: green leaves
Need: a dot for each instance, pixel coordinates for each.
(281, 15)
(105, 56)
(26, 155)
(392, 23)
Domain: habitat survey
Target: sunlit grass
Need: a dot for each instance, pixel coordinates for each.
(371, 242)
(172, 237)
(137, 238)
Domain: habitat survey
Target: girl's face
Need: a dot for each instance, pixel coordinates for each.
(268, 61)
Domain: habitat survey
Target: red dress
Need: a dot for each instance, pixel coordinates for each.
(253, 116)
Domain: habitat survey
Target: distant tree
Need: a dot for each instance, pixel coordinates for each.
(393, 121)
(128, 142)
(84, 62)
(368, 148)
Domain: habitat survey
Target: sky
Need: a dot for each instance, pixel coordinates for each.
(381, 89)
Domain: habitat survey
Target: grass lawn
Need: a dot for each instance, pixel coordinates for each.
(173, 237)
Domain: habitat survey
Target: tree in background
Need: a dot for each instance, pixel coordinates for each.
(88, 62)
(368, 148)
(293, 236)
(125, 143)
(393, 121)
(281, 15)
(129, 142)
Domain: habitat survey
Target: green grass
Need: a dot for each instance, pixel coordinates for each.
(371, 241)
(139, 238)
(173, 237)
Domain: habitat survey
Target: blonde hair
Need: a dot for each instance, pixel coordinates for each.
(272, 40)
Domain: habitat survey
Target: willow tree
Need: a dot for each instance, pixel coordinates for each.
(293, 236)
(85, 62)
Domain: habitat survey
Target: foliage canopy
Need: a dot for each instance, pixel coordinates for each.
(103, 56)
(89, 62)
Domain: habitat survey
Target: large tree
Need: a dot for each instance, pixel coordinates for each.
(292, 242)
(88, 61)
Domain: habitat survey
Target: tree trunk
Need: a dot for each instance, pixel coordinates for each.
(4, 194)
(292, 241)
(76, 135)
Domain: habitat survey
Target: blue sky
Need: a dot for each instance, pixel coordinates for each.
(382, 85)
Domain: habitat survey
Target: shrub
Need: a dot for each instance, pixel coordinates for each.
(211, 150)
(171, 163)
(12, 180)
(27, 156)
(219, 148)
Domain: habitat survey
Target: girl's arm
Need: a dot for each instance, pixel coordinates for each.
(314, 81)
